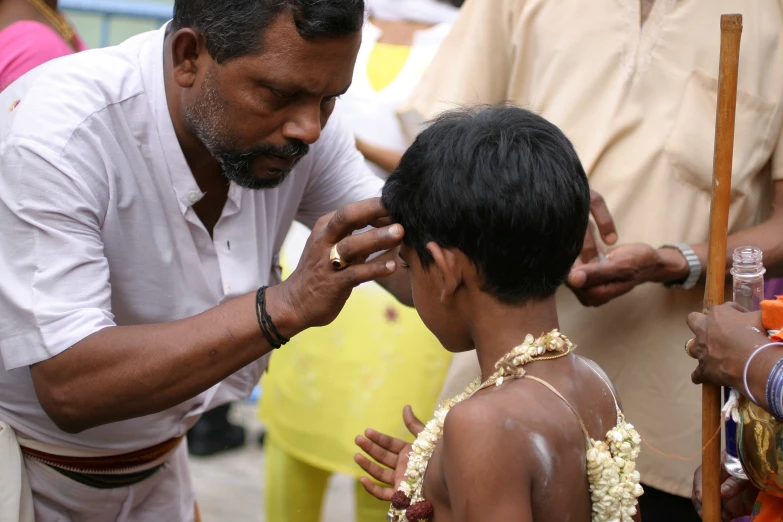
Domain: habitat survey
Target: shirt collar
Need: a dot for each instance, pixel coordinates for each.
(182, 180)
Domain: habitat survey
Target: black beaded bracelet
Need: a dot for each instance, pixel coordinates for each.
(265, 322)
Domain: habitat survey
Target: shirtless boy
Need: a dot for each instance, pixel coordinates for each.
(495, 203)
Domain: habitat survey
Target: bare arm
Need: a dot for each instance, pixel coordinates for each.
(124, 372)
(487, 470)
(387, 159)
(768, 236)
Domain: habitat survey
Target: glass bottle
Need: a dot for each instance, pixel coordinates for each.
(748, 278)
(748, 292)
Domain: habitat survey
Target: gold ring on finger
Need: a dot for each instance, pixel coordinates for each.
(337, 261)
(688, 346)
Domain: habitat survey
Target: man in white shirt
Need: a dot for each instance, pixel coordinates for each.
(130, 263)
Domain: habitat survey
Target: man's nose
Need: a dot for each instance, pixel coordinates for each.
(304, 126)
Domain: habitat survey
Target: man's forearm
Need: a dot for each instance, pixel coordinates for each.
(124, 372)
(768, 236)
(387, 159)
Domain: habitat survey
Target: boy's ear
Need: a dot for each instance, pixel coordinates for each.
(448, 270)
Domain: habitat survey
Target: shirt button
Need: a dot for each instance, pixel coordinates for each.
(200, 243)
(193, 196)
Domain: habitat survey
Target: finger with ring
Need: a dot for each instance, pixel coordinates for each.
(356, 248)
(688, 346)
(334, 257)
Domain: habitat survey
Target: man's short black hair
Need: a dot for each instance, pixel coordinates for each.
(233, 28)
(504, 186)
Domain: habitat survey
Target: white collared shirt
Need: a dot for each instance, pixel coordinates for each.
(98, 228)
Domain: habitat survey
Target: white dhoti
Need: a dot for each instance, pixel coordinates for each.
(16, 500)
(167, 495)
(31, 491)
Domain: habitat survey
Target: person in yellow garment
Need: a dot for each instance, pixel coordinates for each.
(377, 356)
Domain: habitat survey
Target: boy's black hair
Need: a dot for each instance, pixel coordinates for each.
(504, 186)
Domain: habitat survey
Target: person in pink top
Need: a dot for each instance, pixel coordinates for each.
(32, 32)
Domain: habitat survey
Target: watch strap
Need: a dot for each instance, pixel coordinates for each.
(694, 266)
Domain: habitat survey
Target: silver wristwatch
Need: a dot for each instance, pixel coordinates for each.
(694, 266)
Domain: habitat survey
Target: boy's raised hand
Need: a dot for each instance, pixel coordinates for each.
(391, 453)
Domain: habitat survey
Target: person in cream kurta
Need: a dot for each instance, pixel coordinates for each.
(634, 86)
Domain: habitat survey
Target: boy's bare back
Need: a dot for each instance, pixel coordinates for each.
(517, 452)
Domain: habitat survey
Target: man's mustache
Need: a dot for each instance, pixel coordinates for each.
(289, 151)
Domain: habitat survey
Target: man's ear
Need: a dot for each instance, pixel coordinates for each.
(186, 47)
(448, 270)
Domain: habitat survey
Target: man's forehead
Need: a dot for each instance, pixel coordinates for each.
(321, 65)
(281, 38)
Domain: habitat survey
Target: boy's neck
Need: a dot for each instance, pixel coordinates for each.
(498, 328)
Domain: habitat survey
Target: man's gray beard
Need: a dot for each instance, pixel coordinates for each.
(237, 167)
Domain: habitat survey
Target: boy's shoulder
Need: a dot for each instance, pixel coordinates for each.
(510, 416)
(527, 419)
(490, 427)
(497, 450)
(485, 455)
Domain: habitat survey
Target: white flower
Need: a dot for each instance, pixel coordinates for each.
(591, 454)
(611, 470)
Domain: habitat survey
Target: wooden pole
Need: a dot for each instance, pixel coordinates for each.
(730, 33)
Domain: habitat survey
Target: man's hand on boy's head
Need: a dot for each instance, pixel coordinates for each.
(316, 291)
